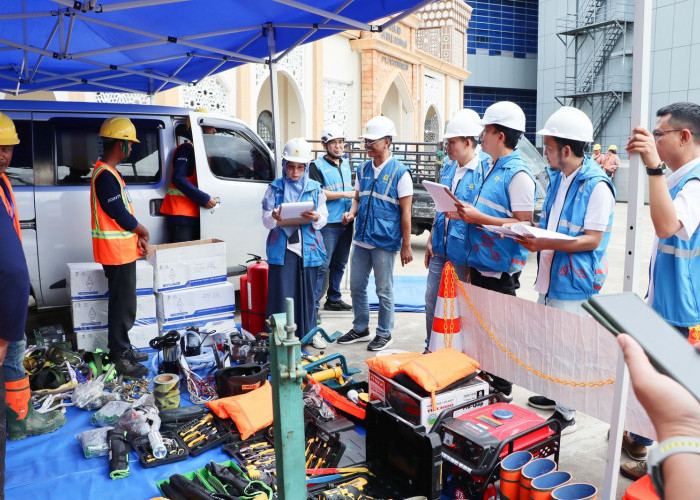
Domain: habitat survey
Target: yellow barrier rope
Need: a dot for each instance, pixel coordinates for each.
(452, 280)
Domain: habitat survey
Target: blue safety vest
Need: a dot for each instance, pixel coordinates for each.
(579, 275)
(313, 249)
(466, 190)
(335, 180)
(379, 215)
(488, 251)
(677, 271)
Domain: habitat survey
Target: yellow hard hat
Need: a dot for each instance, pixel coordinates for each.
(8, 133)
(198, 110)
(612, 147)
(119, 127)
(597, 147)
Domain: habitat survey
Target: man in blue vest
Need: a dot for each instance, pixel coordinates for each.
(462, 175)
(332, 171)
(580, 202)
(674, 203)
(506, 195)
(382, 206)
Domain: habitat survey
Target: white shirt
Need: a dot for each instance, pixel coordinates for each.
(687, 205)
(600, 205)
(269, 222)
(459, 175)
(404, 188)
(521, 193)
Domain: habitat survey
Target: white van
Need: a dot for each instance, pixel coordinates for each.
(51, 168)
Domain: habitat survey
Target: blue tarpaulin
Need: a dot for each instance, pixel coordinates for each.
(152, 45)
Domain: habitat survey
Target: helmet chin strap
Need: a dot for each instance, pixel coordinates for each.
(328, 152)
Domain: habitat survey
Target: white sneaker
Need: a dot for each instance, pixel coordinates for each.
(318, 342)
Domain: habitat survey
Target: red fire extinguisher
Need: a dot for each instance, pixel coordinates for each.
(254, 296)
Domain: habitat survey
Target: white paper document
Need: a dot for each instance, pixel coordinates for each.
(443, 198)
(291, 213)
(520, 230)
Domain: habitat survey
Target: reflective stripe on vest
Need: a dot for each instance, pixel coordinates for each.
(577, 276)
(379, 215)
(175, 201)
(313, 249)
(10, 204)
(488, 251)
(676, 271)
(453, 246)
(111, 245)
(335, 179)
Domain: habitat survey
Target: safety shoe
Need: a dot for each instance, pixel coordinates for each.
(22, 419)
(633, 449)
(542, 403)
(337, 305)
(567, 426)
(352, 336)
(379, 343)
(137, 356)
(633, 470)
(317, 342)
(127, 367)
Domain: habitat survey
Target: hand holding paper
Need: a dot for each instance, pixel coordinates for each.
(444, 200)
(292, 214)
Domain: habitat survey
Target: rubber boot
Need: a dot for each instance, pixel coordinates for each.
(22, 419)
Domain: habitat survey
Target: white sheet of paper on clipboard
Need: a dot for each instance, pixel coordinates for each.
(442, 196)
(291, 213)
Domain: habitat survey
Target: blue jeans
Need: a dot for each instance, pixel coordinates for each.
(381, 262)
(12, 367)
(337, 241)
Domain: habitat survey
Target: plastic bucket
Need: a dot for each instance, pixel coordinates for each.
(536, 468)
(576, 491)
(511, 468)
(542, 487)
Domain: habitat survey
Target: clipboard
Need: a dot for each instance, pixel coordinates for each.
(295, 209)
(668, 352)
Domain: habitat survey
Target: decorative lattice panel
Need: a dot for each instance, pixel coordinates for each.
(432, 128)
(123, 98)
(336, 103)
(211, 94)
(293, 64)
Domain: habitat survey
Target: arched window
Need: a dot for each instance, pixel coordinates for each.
(265, 127)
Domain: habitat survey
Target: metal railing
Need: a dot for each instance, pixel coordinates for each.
(593, 12)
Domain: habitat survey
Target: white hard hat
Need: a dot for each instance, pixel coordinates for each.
(464, 123)
(378, 127)
(505, 113)
(332, 131)
(569, 123)
(297, 150)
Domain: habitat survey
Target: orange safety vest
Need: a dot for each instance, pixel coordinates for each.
(175, 201)
(111, 245)
(11, 204)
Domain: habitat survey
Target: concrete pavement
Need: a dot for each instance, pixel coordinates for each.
(583, 452)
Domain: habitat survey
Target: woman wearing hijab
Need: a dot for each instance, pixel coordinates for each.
(294, 252)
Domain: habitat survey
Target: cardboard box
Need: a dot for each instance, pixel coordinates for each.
(219, 322)
(92, 314)
(188, 264)
(87, 280)
(191, 303)
(139, 336)
(419, 410)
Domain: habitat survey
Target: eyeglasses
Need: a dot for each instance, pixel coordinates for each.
(369, 144)
(660, 133)
(299, 168)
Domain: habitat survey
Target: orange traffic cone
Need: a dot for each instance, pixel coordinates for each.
(446, 330)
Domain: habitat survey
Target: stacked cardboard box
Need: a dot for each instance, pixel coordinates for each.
(190, 284)
(87, 285)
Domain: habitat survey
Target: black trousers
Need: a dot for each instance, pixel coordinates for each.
(506, 284)
(183, 232)
(121, 280)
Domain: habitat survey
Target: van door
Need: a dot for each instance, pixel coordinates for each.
(240, 167)
(21, 175)
(66, 152)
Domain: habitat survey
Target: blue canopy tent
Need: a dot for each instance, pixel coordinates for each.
(148, 46)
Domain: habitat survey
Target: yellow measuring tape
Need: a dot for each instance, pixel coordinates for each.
(452, 282)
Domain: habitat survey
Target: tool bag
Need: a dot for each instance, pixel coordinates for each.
(391, 365)
(250, 412)
(175, 417)
(235, 380)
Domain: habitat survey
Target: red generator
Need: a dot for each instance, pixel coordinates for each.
(254, 296)
(475, 442)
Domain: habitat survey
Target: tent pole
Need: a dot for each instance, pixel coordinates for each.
(274, 99)
(641, 63)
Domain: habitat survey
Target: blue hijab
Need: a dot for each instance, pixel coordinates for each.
(293, 190)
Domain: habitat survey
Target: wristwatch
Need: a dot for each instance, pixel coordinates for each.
(658, 170)
(657, 455)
